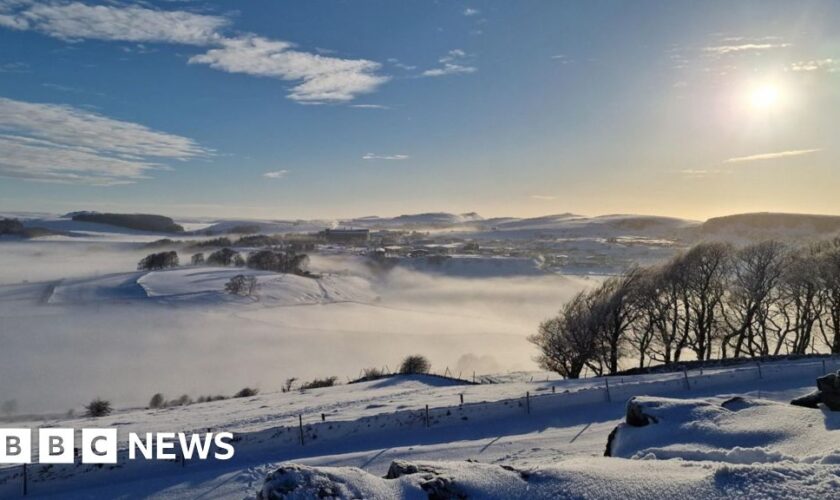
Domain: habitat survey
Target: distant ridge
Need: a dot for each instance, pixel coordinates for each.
(769, 224)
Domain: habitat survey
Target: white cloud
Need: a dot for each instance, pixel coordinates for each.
(369, 106)
(471, 12)
(277, 174)
(372, 156)
(322, 78)
(75, 20)
(319, 78)
(50, 142)
(744, 47)
(772, 156)
(829, 65)
(453, 64)
(543, 197)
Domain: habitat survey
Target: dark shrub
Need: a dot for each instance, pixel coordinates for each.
(318, 383)
(415, 364)
(246, 392)
(157, 401)
(98, 408)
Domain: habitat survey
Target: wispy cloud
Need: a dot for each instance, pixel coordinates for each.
(14, 67)
(373, 156)
(399, 64)
(700, 173)
(772, 156)
(277, 174)
(543, 197)
(318, 78)
(469, 11)
(49, 142)
(369, 106)
(744, 47)
(828, 65)
(454, 63)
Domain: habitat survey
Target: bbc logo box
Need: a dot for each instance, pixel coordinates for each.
(57, 446)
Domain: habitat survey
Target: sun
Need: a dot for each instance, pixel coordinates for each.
(765, 96)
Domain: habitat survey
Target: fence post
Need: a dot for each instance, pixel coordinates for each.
(25, 486)
(323, 417)
(553, 389)
(760, 375)
(823, 363)
(607, 382)
(528, 402)
(427, 416)
(462, 398)
(300, 426)
(685, 375)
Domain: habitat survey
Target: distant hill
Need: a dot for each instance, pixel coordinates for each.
(14, 227)
(140, 222)
(770, 225)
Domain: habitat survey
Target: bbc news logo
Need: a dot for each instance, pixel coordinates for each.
(99, 446)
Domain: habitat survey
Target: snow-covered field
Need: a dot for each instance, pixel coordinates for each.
(551, 442)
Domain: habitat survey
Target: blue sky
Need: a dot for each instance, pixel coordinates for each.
(332, 109)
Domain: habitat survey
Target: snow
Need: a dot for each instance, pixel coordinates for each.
(750, 431)
(700, 445)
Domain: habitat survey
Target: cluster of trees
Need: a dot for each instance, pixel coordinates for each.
(159, 260)
(278, 262)
(712, 301)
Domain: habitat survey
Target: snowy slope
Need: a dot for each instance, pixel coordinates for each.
(206, 285)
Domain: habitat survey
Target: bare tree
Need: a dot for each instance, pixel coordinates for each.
(614, 309)
(706, 267)
(799, 300)
(829, 279)
(755, 273)
(569, 341)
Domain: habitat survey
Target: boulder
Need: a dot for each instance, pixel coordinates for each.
(827, 393)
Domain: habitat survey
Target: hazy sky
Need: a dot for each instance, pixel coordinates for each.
(339, 108)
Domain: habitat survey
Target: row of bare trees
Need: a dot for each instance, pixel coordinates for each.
(713, 301)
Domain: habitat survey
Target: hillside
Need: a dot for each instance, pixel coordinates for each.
(139, 222)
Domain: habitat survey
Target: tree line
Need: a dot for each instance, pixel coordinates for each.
(712, 301)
